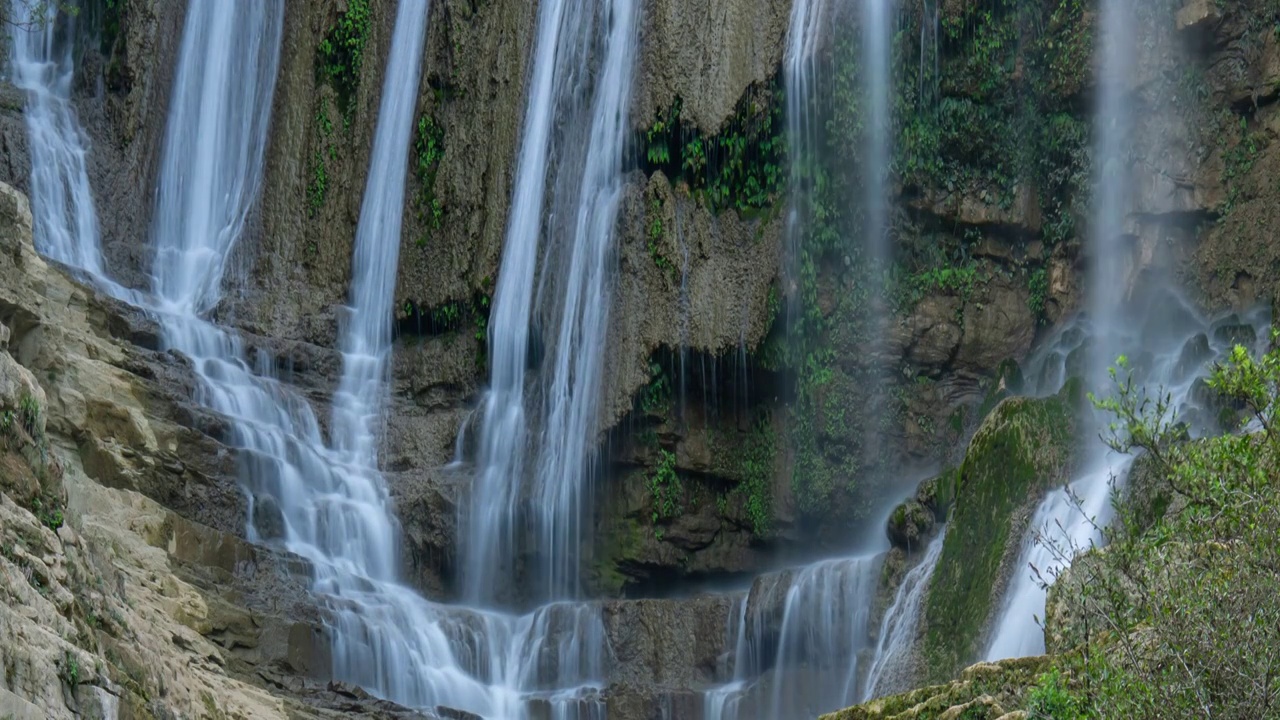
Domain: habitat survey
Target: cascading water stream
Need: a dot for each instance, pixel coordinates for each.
(65, 222)
(800, 635)
(64, 217)
(581, 46)
(901, 621)
(1064, 525)
(1176, 345)
(330, 500)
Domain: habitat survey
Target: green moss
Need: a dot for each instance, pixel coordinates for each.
(758, 465)
(1022, 449)
(1010, 683)
(619, 544)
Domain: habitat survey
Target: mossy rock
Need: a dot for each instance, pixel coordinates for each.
(910, 525)
(985, 690)
(1024, 448)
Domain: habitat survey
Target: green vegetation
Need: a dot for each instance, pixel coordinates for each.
(666, 490)
(739, 167)
(758, 460)
(655, 399)
(69, 669)
(1039, 293)
(657, 237)
(428, 148)
(1021, 450)
(341, 54)
(1180, 615)
(318, 188)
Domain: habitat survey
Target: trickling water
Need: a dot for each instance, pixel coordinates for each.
(799, 66)
(900, 623)
(582, 47)
(800, 636)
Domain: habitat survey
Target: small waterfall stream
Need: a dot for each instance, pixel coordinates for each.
(65, 222)
(64, 217)
(900, 623)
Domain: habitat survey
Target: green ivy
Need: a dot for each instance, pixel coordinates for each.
(341, 53)
(428, 148)
(666, 489)
(740, 167)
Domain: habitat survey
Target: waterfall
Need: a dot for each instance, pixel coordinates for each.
(1058, 523)
(877, 32)
(64, 217)
(66, 224)
(901, 621)
(582, 47)
(800, 636)
(1176, 343)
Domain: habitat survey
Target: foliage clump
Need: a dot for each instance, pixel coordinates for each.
(341, 53)
(1180, 615)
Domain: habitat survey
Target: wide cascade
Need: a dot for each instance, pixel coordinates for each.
(329, 498)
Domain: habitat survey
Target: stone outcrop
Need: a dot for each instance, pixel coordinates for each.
(706, 54)
(1023, 448)
(986, 691)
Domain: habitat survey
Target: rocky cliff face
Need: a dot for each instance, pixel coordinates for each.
(721, 451)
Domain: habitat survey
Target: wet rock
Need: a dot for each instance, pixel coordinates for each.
(910, 525)
(1195, 353)
(630, 702)
(1201, 16)
(1236, 334)
(675, 643)
(268, 519)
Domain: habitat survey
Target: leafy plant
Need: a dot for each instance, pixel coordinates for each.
(341, 53)
(666, 489)
(428, 152)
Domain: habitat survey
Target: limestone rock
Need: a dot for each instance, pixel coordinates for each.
(705, 53)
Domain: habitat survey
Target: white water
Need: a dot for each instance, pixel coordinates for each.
(583, 47)
(66, 224)
(331, 499)
(900, 623)
(800, 637)
(65, 219)
(1058, 523)
(1158, 337)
